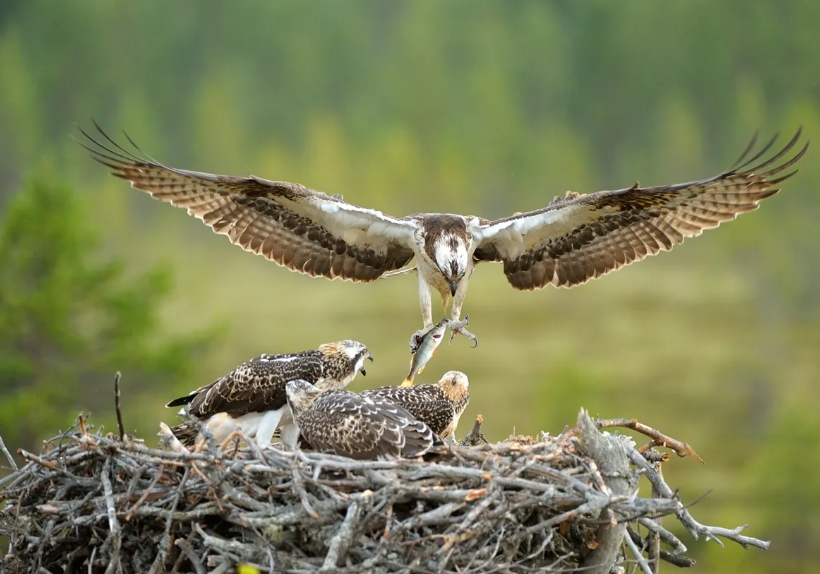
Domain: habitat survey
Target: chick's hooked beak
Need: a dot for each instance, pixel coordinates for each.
(363, 371)
(453, 287)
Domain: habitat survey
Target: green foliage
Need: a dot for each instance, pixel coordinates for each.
(782, 478)
(68, 320)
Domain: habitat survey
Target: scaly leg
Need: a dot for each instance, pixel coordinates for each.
(457, 326)
(290, 435)
(268, 425)
(426, 302)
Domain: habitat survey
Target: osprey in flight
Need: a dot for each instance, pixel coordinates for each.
(567, 243)
(253, 395)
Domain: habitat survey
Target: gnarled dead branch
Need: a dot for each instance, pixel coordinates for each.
(94, 503)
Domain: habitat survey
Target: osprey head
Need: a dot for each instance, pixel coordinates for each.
(301, 395)
(455, 385)
(448, 245)
(343, 359)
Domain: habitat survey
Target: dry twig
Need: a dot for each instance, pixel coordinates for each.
(6, 452)
(678, 560)
(680, 448)
(475, 436)
(117, 404)
(95, 503)
(638, 555)
(338, 544)
(695, 528)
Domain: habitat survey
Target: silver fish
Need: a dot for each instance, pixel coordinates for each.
(425, 351)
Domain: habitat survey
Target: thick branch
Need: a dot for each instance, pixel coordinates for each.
(658, 438)
(637, 553)
(485, 508)
(695, 528)
(5, 451)
(678, 560)
(608, 454)
(339, 543)
(475, 436)
(115, 535)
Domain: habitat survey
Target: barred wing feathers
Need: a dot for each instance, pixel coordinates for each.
(364, 428)
(582, 237)
(257, 385)
(427, 403)
(304, 230)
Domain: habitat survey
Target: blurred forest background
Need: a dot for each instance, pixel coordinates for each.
(473, 107)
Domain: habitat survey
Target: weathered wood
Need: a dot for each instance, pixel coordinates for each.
(92, 502)
(475, 436)
(608, 453)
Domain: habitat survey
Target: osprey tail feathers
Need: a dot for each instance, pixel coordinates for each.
(186, 432)
(182, 401)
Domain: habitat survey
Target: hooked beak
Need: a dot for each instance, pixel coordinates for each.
(363, 371)
(453, 287)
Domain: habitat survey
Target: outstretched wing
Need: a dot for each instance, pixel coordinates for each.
(582, 237)
(304, 230)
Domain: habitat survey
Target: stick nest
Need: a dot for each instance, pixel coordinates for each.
(94, 503)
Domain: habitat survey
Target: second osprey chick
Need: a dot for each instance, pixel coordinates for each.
(439, 406)
(356, 426)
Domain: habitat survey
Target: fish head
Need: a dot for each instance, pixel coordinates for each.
(431, 339)
(438, 329)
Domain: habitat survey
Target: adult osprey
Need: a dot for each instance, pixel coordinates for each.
(567, 243)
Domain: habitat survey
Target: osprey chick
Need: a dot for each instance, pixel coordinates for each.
(360, 427)
(253, 394)
(439, 406)
(567, 243)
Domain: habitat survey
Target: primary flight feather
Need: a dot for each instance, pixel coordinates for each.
(568, 242)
